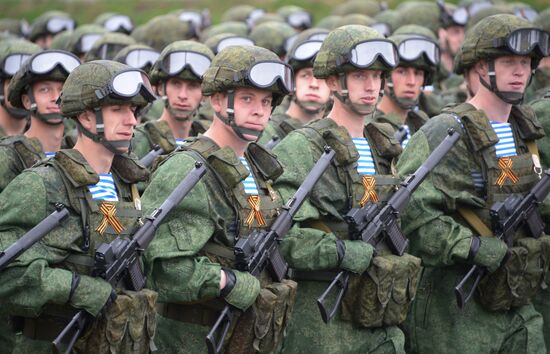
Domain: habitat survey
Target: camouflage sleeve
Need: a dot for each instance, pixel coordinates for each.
(30, 283)
(173, 267)
(303, 248)
(140, 143)
(10, 166)
(435, 237)
(267, 134)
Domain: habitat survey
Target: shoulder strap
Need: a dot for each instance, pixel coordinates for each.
(474, 221)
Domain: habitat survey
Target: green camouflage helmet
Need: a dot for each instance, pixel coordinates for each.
(332, 58)
(356, 19)
(15, 46)
(160, 31)
(115, 22)
(486, 12)
(237, 28)
(543, 20)
(329, 22)
(295, 16)
(312, 34)
(416, 30)
(40, 25)
(157, 73)
(108, 46)
(61, 40)
(21, 81)
(241, 13)
(365, 7)
(121, 56)
(421, 13)
(19, 28)
(79, 91)
(228, 67)
(390, 18)
(83, 38)
(273, 36)
(139, 33)
(269, 17)
(216, 43)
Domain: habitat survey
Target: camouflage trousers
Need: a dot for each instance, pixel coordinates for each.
(307, 333)
(7, 337)
(542, 305)
(175, 337)
(436, 325)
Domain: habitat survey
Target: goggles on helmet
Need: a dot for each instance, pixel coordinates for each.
(193, 17)
(318, 37)
(266, 73)
(364, 54)
(289, 42)
(13, 62)
(254, 16)
(118, 22)
(175, 62)
(305, 51)
(459, 16)
(139, 58)
(58, 24)
(108, 51)
(527, 13)
(233, 41)
(412, 48)
(127, 84)
(382, 28)
(44, 62)
(299, 19)
(86, 42)
(524, 40)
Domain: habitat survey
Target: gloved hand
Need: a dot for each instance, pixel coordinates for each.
(357, 255)
(241, 288)
(491, 253)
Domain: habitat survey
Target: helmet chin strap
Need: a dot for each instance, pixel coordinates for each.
(48, 118)
(359, 109)
(230, 120)
(403, 103)
(178, 114)
(112, 145)
(513, 98)
(17, 113)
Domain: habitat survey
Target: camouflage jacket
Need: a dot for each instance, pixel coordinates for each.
(541, 107)
(42, 276)
(16, 154)
(280, 124)
(438, 234)
(415, 119)
(539, 86)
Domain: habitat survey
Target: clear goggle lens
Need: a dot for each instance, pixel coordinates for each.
(306, 50)
(265, 74)
(108, 51)
(87, 41)
(318, 37)
(524, 41)
(233, 41)
(139, 58)
(13, 62)
(382, 28)
(299, 19)
(117, 22)
(412, 49)
(366, 53)
(58, 24)
(527, 13)
(175, 62)
(46, 61)
(192, 17)
(253, 16)
(131, 82)
(460, 16)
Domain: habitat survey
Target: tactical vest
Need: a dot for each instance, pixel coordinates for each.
(414, 120)
(262, 325)
(284, 124)
(381, 296)
(158, 132)
(517, 281)
(28, 151)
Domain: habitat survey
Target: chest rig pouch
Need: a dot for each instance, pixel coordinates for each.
(520, 278)
(159, 133)
(28, 151)
(261, 327)
(382, 295)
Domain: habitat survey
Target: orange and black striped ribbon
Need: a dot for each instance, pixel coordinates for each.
(255, 213)
(370, 193)
(505, 164)
(108, 210)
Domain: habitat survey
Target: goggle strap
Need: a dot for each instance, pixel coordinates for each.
(343, 85)
(100, 126)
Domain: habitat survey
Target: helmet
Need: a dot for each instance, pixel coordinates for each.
(501, 35)
(329, 22)
(55, 65)
(365, 7)
(350, 48)
(246, 66)
(306, 54)
(243, 13)
(13, 53)
(273, 36)
(486, 12)
(295, 16)
(139, 56)
(115, 22)
(108, 46)
(83, 38)
(269, 17)
(356, 19)
(19, 28)
(186, 60)
(163, 30)
(61, 40)
(421, 13)
(237, 28)
(51, 22)
(199, 18)
(523, 10)
(543, 20)
(386, 22)
(103, 82)
(451, 15)
(219, 41)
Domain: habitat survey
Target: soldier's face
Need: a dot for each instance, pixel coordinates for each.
(184, 96)
(451, 38)
(310, 89)
(407, 82)
(364, 86)
(119, 122)
(512, 72)
(45, 42)
(45, 95)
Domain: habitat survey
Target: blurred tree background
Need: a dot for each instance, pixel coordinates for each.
(85, 11)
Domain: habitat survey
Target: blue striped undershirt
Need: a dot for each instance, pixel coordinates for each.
(249, 183)
(180, 142)
(365, 165)
(506, 145)
(49, 153)
(408, 136)
(105, 189)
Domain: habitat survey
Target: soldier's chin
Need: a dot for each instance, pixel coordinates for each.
(249, 137)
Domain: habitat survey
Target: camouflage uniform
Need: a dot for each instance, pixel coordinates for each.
(51, 281)
(196, 240)
(319, 244)
(498, 319)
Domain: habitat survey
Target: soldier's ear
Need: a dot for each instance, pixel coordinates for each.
(25, 99)
(333, 83)
(218, 101)
(481, 68)
(86, 119)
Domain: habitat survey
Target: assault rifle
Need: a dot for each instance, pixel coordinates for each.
(33, 236)
(375, 225)
(260, 250)
(506, 219)
(118, 262)
(148, 159)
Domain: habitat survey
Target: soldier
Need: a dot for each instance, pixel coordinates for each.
(418, 59)
(115, 22)
(48, 25)
(274, 36)
(83, 38)
(108, 45)
(540, 84)
(448, 220)
(311, 96)
(52, 280)
(352, 61)
(177, 74)
(190, 261)
(36, 88)
(12, 54)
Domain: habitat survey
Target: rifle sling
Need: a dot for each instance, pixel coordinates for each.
(474, 221)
